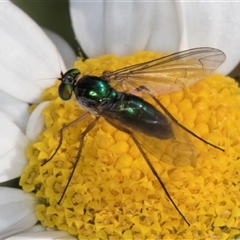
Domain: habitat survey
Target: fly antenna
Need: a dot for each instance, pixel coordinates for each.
(62, 75)
(59, 64)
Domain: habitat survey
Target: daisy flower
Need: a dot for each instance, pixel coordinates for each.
(112, 166)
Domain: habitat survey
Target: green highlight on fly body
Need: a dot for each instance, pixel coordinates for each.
(123, 168)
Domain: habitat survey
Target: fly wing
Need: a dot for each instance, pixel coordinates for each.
(177, 151)
(168, 74)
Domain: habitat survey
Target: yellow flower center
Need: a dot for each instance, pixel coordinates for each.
(113, 194)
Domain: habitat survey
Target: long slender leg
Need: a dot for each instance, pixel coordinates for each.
(87, 130)
(122, 128)
(174, 119)
(61, 134)
(158, 178)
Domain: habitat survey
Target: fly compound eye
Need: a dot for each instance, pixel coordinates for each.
(74, 71)
(68, 81)
(70, 76)
(65, 91)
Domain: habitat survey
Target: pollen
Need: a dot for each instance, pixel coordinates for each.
(113, 194)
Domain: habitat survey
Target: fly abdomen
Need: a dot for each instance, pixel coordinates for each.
(140, 115)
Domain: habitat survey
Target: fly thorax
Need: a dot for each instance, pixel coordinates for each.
(94, 93)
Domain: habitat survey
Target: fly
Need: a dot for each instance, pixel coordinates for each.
(115, 96)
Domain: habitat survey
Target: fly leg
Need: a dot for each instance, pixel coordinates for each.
(123, 128)
(140, 88)
(81, 141)
(61, 134)
(158, 178)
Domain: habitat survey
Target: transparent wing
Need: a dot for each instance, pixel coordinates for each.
(178, 151)
(167, 74)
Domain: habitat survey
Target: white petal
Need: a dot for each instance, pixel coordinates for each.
(17, 211)
(91, 28)
(123, 27)
(39, 232)
(12, 152)
(27, 55)
(15, 109)
(119, 38)
(165, 34)
(212, 24)
(36, 122)
(113, 27)
(64, 48)
(35, 228)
